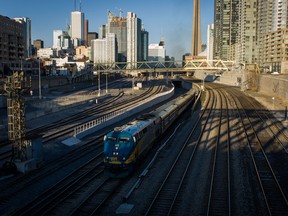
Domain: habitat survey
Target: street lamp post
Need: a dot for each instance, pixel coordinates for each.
(39, 81)
(106, 82)
(99, 88)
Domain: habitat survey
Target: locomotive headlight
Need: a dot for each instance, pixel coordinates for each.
(117, 153)
(114, 153)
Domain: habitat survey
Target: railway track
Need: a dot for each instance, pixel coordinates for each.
(22, 183)
(165, 199)
(219, 202)
(233, 161)
(63, 128)
(267, 171)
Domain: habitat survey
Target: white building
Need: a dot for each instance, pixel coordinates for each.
(46, 53)
(105, 50)
(156, 52)
(133, 38)
(56, 39)
(210, 42)
(279, 14)
(77, 26)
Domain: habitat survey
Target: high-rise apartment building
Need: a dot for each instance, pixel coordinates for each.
(196, 30)
(134, 52)
(272, 34)
(246, 47)
(226, 23)
(11, 43)
(26, 22)
(105, 50)
(279, 15)
(77, 27)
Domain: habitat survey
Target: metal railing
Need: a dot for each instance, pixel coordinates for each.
(97, 121)
(112, 115)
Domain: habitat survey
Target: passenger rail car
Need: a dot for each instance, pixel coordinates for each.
(125, 145)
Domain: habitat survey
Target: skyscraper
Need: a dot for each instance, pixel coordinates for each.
(247, 31)
(144, 43)
(133, 38)
(86, 30)
(226, 24)
(196, 30)
(77, 27)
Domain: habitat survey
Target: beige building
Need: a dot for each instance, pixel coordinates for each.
(82, 50)
(272, 35)
(246, 46)
(273, 51)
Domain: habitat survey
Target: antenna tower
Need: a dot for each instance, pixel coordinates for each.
(15, 88)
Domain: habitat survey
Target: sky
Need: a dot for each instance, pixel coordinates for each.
(171, 19)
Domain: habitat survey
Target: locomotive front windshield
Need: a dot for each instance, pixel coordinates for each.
(122, 141)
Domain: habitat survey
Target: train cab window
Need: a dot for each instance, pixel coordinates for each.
(113, 139)
(124, 139)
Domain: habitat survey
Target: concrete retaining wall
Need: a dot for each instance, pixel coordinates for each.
(274, 86)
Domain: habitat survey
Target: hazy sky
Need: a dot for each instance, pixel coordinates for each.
(169, 18)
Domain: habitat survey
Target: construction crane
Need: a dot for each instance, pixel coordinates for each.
(15, 87)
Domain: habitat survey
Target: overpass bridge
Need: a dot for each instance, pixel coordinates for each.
(183, 66)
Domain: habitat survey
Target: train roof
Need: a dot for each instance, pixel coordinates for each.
(136, 125)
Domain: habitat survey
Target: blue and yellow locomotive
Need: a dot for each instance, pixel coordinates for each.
(125, 145)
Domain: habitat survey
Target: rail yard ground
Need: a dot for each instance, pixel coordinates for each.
(200, 190)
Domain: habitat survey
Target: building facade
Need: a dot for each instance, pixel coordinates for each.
(26, 23)
(226, 23)
(105, 50)
(134, 52)
(77, 27)
(156, 52)
(246, 47)
(272, 35)
(144, 43)
(118, 26)
(11, 43)
(92, 36)
(38, 44)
